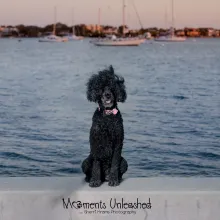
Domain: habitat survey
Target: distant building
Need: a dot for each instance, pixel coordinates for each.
(5, 31)
(180, 33)
(1, 28)
(192, 32)
(133, 31)
(211, 32)
(126, 30)
(89, 27)
(110, 30)
(98, 28)
(94, 28)
(217, 33)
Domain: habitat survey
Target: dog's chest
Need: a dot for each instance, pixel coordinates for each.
(103, 136)
(107, 138)
(107, 125)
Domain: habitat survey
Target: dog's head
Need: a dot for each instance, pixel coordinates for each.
(106, 88)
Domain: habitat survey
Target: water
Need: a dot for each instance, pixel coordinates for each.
(171, 117)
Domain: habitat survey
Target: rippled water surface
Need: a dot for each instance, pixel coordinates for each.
(171, 117)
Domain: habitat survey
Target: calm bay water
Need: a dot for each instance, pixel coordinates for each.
(171, 117)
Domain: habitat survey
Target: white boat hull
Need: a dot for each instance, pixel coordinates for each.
(119, 42)
(75, 38)
(53, 39)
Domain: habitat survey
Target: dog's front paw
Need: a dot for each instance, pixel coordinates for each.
(107, 178)
(113, 180)
(107, 173)
(95, 183)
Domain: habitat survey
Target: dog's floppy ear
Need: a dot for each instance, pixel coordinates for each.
(93, 88)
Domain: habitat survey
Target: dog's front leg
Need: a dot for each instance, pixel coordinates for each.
(116, 159)
(114, 172)
(96, 174)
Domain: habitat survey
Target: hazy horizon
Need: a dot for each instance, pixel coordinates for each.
(199, 13)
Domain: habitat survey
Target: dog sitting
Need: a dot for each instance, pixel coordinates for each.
(105, 162)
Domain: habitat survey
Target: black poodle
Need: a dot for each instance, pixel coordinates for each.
(105, 162)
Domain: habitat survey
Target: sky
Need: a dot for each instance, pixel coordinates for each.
(187, 13)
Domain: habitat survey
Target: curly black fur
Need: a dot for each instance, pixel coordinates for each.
(105, 162)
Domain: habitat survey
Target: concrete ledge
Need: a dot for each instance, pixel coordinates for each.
(136, 198)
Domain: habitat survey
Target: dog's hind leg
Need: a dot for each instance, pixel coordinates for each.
(123, 168)
(87, 168)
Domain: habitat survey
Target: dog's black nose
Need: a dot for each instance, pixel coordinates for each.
(107, 95)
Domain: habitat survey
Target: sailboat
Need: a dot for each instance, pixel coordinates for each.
(53, 37)
(73, 37)
(171, 37)
(114, 41)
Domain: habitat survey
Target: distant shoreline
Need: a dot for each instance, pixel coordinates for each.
(95, 30)
(25, 37)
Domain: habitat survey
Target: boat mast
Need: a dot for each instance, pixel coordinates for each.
(123, 16)
(73, 28)
(55, 21)
(99, 20)
(172, 17)
(138, 16)
(166, 19)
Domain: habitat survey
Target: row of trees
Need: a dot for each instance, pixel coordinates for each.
(82, 30)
